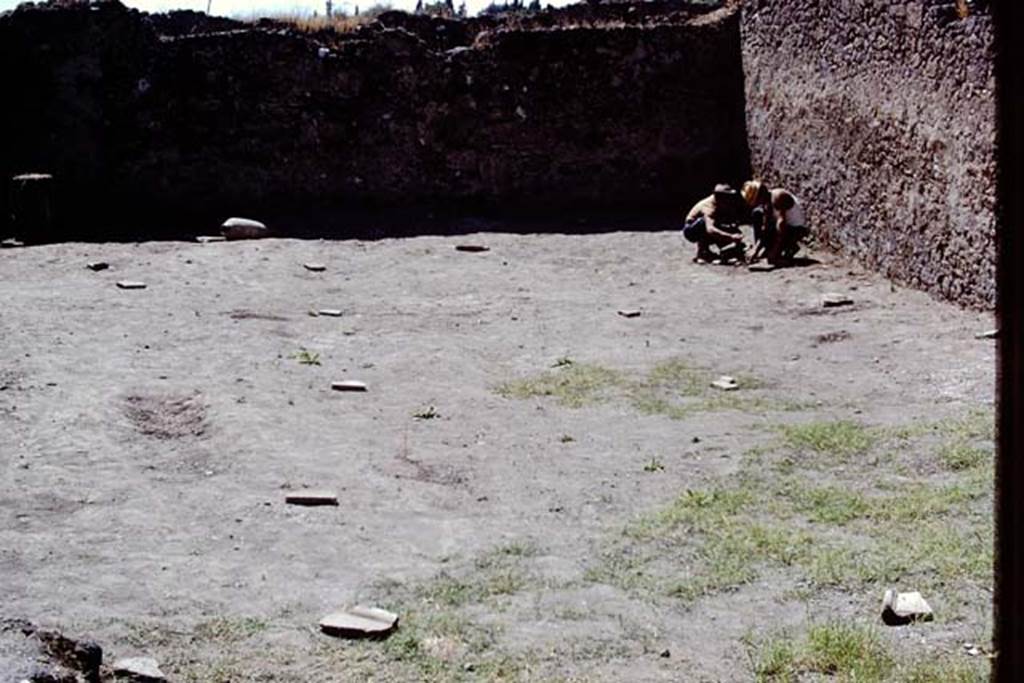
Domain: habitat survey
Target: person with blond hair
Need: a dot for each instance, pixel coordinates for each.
(714, 222)
(778, 221)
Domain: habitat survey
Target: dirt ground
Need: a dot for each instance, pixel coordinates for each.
(542, 488)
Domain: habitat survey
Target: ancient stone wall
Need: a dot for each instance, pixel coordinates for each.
(880, 115)
(155, 115)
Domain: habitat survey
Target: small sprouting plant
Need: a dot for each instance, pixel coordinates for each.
(563, 362)
(654, 465)
(307, 357)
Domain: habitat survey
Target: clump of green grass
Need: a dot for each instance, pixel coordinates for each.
(228, 629)
(428, 413)
(840, 438)
(574, 385)
(306, 357)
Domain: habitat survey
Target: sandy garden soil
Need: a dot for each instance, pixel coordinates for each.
(542, 488)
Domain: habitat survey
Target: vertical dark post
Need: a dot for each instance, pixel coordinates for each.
(32, 206)
(1009, 594)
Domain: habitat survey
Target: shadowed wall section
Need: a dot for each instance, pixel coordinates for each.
(880, 114)
(141, 113)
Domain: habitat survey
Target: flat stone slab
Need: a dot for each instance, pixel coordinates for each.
(131, 284)
(473, 248)
(903, 608)
(359, 622)
(991, 334)
(330, 312)
(32, 176)
(243, 229)
(315, 267)
(138, 669)
(726, 383)
(311, 497)
(206, 239)
(630, 313)
(833, 300)
(348, 385)
(760, 267)
(11, 243)
(97, 265)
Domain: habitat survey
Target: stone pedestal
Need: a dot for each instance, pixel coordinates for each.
(31, 207)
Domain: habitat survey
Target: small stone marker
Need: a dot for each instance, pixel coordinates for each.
(330, 312)
(97, 265)
(315, 267)
(11, 243)
(360, 622)
(206, 239)
(902, 608)
(629, 313)
(131, 284)
(311, 497)
(832, 300)
(138, 670)
(726, 383)
(991, 334)
(474, 248)
(243, 229)
(348, 385)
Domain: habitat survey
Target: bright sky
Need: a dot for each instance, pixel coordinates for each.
(248, 8)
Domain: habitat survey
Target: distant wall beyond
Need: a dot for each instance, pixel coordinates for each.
(131, 112)
(880, 114)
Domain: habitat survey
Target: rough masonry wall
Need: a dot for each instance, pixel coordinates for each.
(880, 115)
(130, 112)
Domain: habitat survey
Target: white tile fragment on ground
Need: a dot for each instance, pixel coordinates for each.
(311, 497)
(359, 622)
(902, 608)
(138, 670)
(348, 385)
(726, 383)
(315, 267)
(131, 284)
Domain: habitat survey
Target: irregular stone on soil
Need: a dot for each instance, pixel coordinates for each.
(206, 239)
(243, 229)
(991, 334)
(311, 497)
(138, 670)
(11, 243)
(726, 383)
(131, 284)
(315, 267)
(359, 622)
(833, 300)
(330, 312)
(629, 313)
(903, 608)
(348, 385)
(97, 265)
(472, 247)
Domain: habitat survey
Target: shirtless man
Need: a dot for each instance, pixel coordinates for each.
(778, 220)
(713, 222)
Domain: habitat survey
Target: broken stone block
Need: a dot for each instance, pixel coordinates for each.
(833, 300)
(360, 622)
(475, 248)
(206, 239)
(315, 267)
(311, 497)
(97, 265)
(138, 670)
(903, 608)
(131, 284)
(330, 312)
(243, 229)
(348, 385)
(726, 383)
(991, 334)
(629, 313)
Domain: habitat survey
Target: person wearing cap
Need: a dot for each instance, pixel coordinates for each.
(778, 220)
(713, 221)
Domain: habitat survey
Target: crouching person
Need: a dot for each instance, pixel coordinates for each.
(778, 221)
(714, 222)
